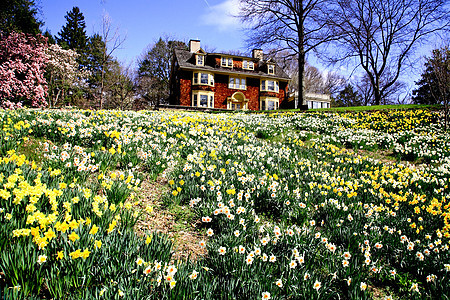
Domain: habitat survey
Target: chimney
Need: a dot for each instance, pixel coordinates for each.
(194, 46)
(258, 53)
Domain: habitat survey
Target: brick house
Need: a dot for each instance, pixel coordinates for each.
(217, 80)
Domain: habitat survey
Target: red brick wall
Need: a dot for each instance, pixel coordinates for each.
(283, 94)
(185, 88)
(222, 92)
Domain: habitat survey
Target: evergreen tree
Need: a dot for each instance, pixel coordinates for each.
(437, 68)
(19, 16)
(94, 59)
(154, 69)
(427, 83)
(73, 34)
(348, 97)
(50, 38)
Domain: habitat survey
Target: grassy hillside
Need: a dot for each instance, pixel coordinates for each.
(280, 205)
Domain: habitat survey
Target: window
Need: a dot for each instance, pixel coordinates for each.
(269, 103)
(203, 99)
(237, 83)
(227, 62)
(200, 60)
(271, 69)
(248, 65)
(203, 78)
(270, 86)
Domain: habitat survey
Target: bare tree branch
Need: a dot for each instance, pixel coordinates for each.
(112, 42)
(384, 34)
(297, 26)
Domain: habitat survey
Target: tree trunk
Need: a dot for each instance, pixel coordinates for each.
(102, 80)
(376, 91)
(56, 99)
(301, 71)
(445, 114)
(102, 87)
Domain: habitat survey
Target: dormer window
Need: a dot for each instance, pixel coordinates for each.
(227, 62)
(270, 69)
(200, 60)
(248, 65)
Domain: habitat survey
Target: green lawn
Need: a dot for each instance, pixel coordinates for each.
(378, 107)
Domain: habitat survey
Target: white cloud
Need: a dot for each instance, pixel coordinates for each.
(223, 15)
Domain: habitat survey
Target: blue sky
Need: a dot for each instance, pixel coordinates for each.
(144, 21)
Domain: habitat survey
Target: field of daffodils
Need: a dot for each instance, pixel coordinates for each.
(292, 205)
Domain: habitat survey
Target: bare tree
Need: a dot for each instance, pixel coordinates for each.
(295, 26)
(334, 83)
(233, 52)
(288, 63)
(313, 81)
(364, 88)
(395, 94)
(111, 42)
(383, 35)
(119, 86)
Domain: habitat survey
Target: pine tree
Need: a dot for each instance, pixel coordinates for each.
(348, 97)
(94, 59)
(50, 38)
(427, 83)
(154, 70)
(73, 34)
(19, 16)
(437, 68)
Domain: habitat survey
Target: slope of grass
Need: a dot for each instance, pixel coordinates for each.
(378, 107)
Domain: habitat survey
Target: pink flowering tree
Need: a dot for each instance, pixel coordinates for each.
(22, 67)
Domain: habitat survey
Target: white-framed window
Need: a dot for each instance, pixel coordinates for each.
(203, 99)
(270, 85)
(269, 103)
(202, 78)
(227, 62)
(317, 104)
(200, 60)
(237, 83)
(248, 65)
(237, 106)
(270, 69)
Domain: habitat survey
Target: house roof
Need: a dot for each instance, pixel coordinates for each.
(185, 61)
